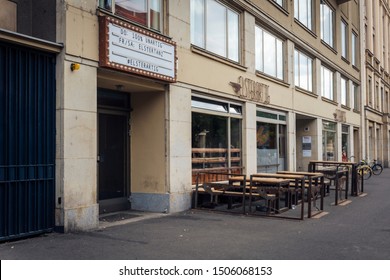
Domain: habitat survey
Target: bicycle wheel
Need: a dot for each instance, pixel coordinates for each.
(377, 169)
(366, 172)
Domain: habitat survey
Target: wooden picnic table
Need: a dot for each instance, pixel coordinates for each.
(316, 179)
(313, 166)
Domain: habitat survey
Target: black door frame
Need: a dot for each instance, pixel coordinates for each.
(123, 203)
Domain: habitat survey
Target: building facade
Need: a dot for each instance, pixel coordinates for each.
(149, 92)
(377, 78)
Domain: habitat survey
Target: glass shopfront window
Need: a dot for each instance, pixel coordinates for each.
(345, 143)
(271, 141)
(216, 134)
(329, 141)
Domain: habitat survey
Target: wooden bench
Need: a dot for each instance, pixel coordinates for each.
(217, 184)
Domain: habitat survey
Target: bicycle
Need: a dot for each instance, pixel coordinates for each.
(364, 170)
(376, 167)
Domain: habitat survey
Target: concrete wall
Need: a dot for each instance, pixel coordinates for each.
(76, 177)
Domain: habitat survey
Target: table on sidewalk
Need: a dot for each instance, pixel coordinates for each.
(297, 186)
(271, 188)
(316, 180)
(217, 184)
(352, 166)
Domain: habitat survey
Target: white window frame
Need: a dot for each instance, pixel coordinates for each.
(356, 97)
(355, 49)
(327, 25)
(304, 16)
(302, 83)
(279, 55)
(344, 91)
(327, 83)
(344, 39)
(199, 23)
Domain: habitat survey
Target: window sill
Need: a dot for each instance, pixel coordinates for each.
(271, 78)
(356, 111)
(345, 60)
(328, 46)
(329, 101)
(311, 32)
(345, 107)
(356, 68)
(309, 93)
(282, 9)
(215, 57)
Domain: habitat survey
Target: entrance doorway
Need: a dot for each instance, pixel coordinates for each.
(113, 154)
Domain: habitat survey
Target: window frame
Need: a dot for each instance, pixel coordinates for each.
(309, 15)
(331, 94)
(356, 97)
(204, 44)
(205, 105)
(344, 96)
(259, 54)
(331, 40)
(281, 5)
(354, 49)
(110, 6)
(344, 39)
(309, 86)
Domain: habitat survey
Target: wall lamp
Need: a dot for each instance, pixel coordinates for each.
(74, 66)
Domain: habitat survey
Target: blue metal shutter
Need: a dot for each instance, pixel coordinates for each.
(27, 141)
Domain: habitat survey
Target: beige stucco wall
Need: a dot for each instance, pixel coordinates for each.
(76, 181)
(148, 151)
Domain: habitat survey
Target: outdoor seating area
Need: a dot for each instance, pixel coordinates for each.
(282, 194)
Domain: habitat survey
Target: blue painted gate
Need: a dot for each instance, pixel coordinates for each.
(27, 141)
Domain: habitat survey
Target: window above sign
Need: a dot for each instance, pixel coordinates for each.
(144, 12)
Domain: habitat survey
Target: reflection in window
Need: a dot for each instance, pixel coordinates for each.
(344, 39)
(354, 55)
(345, 142)
(303, 12)
(329, 141)
(327, 83)
(280, 3)
(215, 28)
(144, 12)
(216, 135)
(344, 91)
(269, 53)
(356, 99)
(303, 71)
(327, 23)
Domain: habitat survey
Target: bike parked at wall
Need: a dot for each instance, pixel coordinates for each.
(365, 170)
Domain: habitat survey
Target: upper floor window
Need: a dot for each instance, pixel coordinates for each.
(327, 23)
(354, 55)
(269, 53)
(327, 83)
(303, 71)
(215, 28)
(344, 91)
(144, 12)
(280, 3)
(303, 12)
(356, 97)
(344, 39)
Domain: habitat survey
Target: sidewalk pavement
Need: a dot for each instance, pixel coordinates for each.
(359, 230)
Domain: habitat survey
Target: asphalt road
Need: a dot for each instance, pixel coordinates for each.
(359, 230)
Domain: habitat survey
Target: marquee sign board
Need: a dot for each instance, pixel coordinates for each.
(133, 49)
